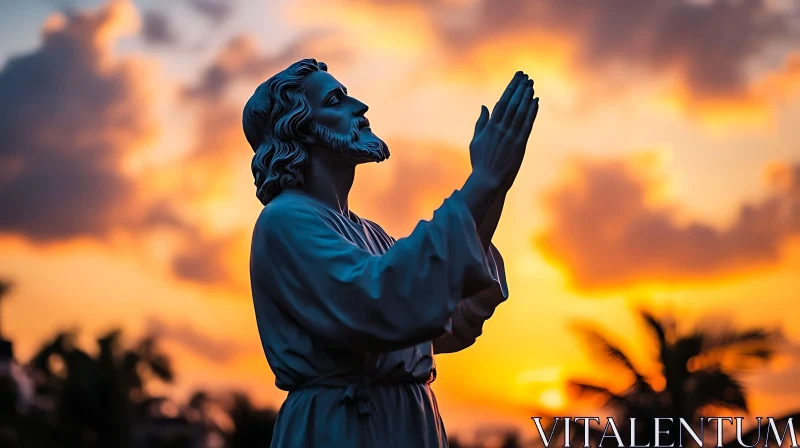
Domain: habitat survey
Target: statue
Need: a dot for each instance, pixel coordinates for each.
(349, 317)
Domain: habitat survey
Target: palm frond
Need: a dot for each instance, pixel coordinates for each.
(582, 390)
(715, 387)
(609, 349)
(657, 327)
(685, 348)
(161, 367)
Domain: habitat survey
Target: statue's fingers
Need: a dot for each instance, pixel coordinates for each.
(513, 105)
(524, 106)
(500, 107)
(530, 117)
(483, 119)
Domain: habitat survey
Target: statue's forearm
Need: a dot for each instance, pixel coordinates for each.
(489, 224)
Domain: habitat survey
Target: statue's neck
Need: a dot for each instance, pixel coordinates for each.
(330, 180)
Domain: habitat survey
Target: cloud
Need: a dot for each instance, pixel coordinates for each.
(197, 255)
(609, 230)
(784, 80)
(72, 113)
(212, 349)
(157, 29)
(215, 10)
(240, 59)
(158, 26)
(705, 47)
(199, 262)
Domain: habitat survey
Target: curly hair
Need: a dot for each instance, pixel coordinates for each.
(273, 120)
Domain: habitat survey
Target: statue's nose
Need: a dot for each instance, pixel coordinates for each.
(361, 108)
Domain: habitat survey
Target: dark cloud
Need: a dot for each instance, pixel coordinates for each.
(215, 10)
(203, 260)
(157, 29)
(69, 116)
(606, 234)
(706, 44)
(198, 257)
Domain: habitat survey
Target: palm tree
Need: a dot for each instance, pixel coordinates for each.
(697, 370)
(95, 399)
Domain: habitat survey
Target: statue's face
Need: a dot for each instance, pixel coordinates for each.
(339, 122)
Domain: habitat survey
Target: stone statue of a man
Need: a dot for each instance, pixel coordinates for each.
(349, 317)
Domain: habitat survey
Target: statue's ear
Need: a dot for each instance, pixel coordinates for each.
(306, 139)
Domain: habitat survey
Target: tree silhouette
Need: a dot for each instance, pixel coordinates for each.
(697, 371)
(9, 392)
(101, 399)
(97, 399)
(252, 426)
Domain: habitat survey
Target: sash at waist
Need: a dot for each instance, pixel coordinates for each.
(356, 387)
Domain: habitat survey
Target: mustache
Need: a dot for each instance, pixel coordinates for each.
(355, 128)
(360, 122)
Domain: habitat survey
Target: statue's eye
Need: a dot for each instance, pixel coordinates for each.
(333, 101)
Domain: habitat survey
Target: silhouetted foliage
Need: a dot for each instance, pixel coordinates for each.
(252, 426)
(95, 400)
(697, 372)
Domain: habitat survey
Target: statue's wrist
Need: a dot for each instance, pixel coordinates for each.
(489, 181)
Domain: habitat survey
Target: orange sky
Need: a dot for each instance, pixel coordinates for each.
(663, 171)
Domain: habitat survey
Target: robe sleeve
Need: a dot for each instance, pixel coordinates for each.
(354, 300)
(468, 319)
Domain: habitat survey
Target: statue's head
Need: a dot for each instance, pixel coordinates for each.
(300, 109)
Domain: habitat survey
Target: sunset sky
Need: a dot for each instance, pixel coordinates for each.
(663, 172)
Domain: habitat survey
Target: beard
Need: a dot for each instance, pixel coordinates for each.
(358, 146)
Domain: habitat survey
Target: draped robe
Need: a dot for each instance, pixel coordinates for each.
(350, 318)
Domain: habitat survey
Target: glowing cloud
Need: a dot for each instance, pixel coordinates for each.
(610, 229)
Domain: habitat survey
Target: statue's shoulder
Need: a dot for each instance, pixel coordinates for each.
(285, 212)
